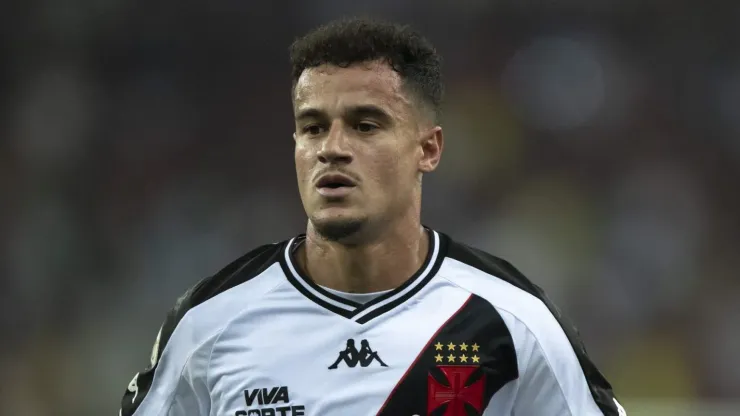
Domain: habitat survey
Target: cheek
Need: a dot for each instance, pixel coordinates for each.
(388, 169)
(302, 167)
(302, 157)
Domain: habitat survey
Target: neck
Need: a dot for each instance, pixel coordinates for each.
(383, 263)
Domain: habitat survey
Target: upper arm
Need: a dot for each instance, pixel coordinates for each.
(174, 382)
(557, 377)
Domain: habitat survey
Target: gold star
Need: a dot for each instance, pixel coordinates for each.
(438, 358)
(438, 346)
(451, 346)
(450, 358)
(475, 347)
(463, 358)
(463, 347)
(476, 359)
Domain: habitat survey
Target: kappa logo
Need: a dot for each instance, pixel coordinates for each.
(463, 387)
(351, 356)
(276, 398)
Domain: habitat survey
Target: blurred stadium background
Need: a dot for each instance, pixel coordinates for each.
(595, 144)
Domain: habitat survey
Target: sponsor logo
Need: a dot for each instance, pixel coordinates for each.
(273, 401)
(351, 356)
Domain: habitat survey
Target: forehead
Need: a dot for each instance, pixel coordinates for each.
(331, 87)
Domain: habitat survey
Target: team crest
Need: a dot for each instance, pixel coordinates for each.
(457, 387)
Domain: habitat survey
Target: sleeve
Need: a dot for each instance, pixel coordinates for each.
(174, 382)
(556, 376)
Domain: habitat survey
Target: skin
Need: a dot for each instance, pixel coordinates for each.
(362, 122)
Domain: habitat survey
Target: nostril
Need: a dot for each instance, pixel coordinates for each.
(334, 157)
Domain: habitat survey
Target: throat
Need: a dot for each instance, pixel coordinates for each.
(370, 269)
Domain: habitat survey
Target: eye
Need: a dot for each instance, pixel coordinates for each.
(313, 130)
(366, 127)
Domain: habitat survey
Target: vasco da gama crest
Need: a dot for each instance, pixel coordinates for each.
(456, 386)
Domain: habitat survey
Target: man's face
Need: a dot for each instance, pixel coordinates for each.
(359, 146)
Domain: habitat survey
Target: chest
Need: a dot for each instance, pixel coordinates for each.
(309, 362)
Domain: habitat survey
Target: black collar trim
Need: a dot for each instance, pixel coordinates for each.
(357, 312)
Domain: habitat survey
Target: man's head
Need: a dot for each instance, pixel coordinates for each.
(366, 99)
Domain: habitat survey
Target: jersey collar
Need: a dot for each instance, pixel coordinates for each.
(362, 313)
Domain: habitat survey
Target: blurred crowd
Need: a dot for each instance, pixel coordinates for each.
(144, 145)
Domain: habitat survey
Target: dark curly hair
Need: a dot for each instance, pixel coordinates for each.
(354, 40)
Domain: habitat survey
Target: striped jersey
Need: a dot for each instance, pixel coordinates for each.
(466, 335)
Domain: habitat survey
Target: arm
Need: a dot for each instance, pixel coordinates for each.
(557, 377)
(173, 384)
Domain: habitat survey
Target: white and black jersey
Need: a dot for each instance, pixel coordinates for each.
(466, 335)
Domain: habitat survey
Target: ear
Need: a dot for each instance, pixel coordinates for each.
(294, 136)
(432, 144)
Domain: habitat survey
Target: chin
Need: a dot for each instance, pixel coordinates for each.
(338, 227)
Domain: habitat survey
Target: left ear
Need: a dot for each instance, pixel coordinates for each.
(432, 144)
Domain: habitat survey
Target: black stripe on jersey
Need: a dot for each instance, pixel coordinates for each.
(600, 388)
(474, 341)
(378, 306)
(236, 273)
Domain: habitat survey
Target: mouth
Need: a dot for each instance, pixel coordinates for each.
(335, 181)
(335, 186)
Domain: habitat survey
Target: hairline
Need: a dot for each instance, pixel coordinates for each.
(423, 109)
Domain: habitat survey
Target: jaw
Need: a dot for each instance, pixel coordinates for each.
(336, 213)
(337, 225)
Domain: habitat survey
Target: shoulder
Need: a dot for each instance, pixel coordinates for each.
(204, 308)
(494, 279)
(521, 302)
(244, 278)
(197, 318)
(240, 271)
(549, 349)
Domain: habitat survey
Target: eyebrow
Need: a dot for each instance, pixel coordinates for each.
(357, 111)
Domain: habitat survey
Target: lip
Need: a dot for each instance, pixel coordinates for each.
(334, 178)
(335, 193)
(347, 185)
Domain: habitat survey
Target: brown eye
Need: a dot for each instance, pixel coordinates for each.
(366, 127)
(313, 130)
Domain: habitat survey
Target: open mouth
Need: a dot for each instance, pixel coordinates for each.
(335, 186)
(334, 182)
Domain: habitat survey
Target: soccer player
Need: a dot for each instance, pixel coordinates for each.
(460, 332)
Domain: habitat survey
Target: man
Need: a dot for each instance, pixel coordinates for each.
(461, 332)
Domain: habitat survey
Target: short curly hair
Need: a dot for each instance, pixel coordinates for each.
(354, 40)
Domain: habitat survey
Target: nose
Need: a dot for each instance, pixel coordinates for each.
(335, 148)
